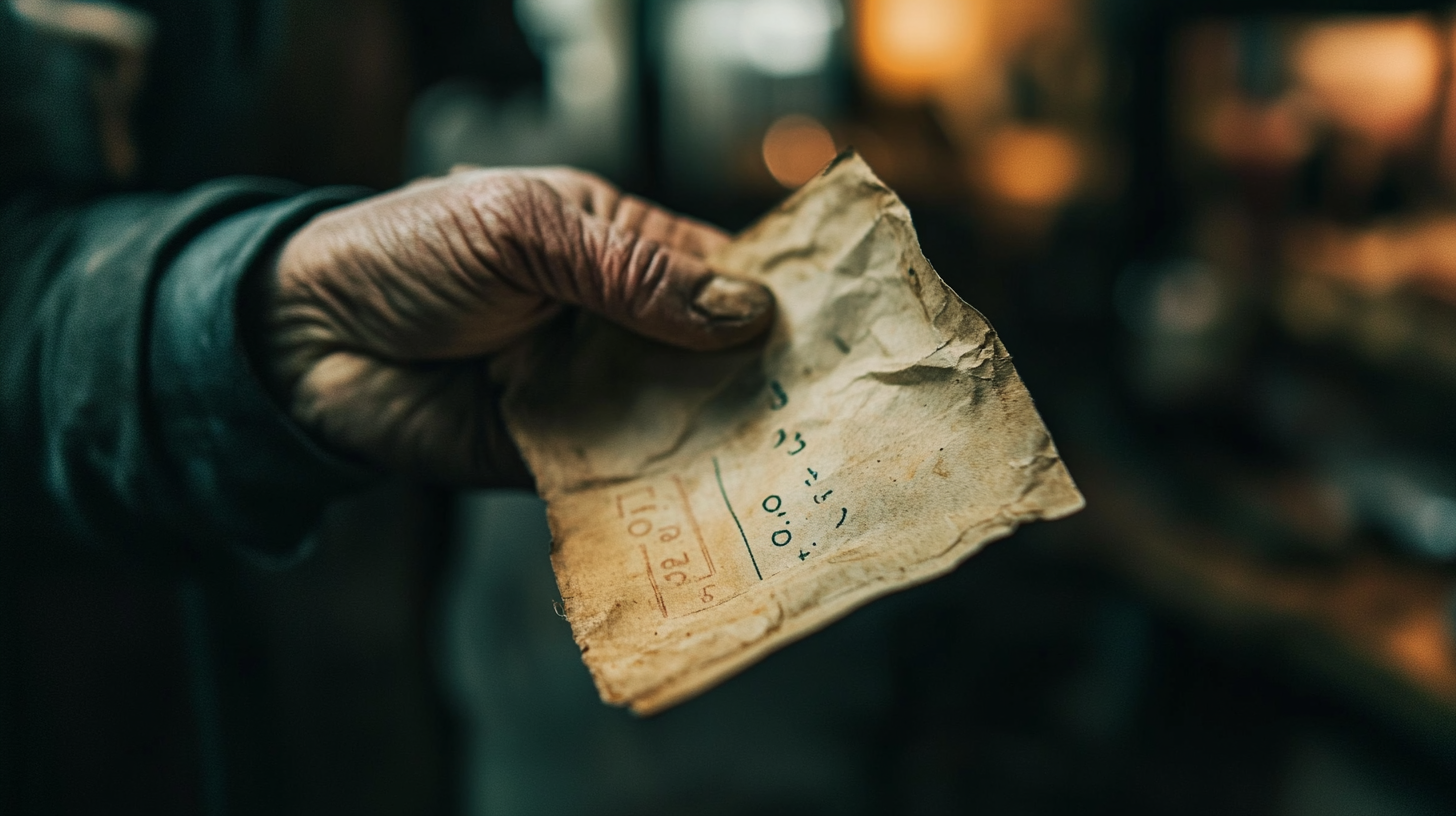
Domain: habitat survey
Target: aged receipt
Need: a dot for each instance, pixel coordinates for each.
(707, 509)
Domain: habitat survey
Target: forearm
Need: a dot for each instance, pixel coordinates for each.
(131, 414)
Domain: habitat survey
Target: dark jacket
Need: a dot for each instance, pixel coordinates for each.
(136, 443)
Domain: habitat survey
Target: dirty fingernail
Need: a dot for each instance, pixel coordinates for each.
(731, 299)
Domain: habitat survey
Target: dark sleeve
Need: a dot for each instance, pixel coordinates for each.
(130, 416)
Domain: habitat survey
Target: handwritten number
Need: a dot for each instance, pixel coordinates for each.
(777, 503)
(788, 536)
(843, 514)
(798, 438)
(651, 494)
(644, 515)
(779, 398)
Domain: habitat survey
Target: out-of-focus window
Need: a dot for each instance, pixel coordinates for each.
(585, 115)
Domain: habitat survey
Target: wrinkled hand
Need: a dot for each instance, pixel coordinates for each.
(376, 328)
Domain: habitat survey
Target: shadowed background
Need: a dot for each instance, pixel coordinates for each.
(1220, 239)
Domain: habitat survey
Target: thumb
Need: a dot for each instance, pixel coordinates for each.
(649, 281)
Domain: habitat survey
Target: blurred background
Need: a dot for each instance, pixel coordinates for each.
(1218, 235)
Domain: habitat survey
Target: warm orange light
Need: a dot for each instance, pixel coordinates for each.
(908, 47)
(1381, 258)
(795, 148)
(1446, 149)
(1038, 167)
(1267, 134)
(1422, 645)
(1378, 77)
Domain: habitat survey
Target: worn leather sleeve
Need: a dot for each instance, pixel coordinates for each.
(130, 417)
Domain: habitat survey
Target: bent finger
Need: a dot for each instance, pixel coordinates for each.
(656, 290)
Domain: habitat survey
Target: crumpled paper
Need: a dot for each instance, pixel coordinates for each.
(707, 509)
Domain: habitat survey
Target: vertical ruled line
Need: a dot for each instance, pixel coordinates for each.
(718, 472)
(655, 591)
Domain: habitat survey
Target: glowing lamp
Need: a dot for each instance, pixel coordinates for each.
(908, 47)
(1378, 77)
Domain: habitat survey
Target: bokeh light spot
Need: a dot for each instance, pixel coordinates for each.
(1038, 167)
(907, 47)
(795, 148)
(1379, 77)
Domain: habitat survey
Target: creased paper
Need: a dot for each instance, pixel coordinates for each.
(707, 509)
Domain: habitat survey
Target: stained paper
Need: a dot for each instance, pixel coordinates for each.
(707, 509)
